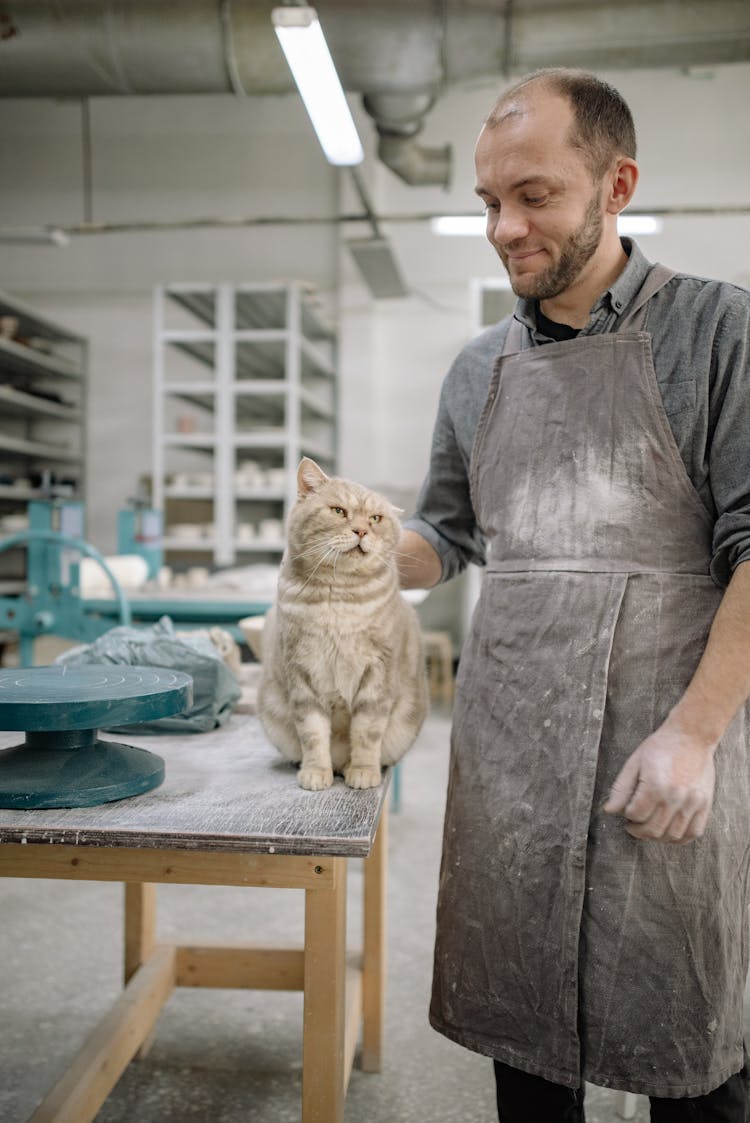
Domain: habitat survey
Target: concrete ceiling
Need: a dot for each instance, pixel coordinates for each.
(398, 55)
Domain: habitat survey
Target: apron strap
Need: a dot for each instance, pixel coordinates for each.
(658, 276)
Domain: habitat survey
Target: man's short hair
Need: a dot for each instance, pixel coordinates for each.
(603, 126)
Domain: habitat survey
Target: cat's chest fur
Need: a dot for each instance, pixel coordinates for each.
(336, 641)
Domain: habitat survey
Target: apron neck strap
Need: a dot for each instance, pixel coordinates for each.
(656, 279)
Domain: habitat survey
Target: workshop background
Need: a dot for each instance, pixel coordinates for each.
(150, 143)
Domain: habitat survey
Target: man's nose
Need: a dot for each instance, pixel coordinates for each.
(508, 225)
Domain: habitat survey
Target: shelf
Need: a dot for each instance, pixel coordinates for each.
(256, 307)
(259, 546)
(255, 366)
(19, 403)
(14, 491)
(18, 359)
(259, 495)
(201, 442)
(189, 545)
(37, 450)
(258, 355)
(43, 369)
(189, 492)
(32, 325)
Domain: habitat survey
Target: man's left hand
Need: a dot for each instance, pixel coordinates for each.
(665, 789)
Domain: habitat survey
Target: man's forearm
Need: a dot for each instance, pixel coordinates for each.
(721, 683)
(419, 565)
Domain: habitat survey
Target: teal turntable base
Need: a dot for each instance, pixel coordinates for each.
(62, 762)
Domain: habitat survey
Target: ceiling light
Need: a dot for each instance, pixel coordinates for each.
(303, 43)
(33, 236)
(639, 224)
(468, 225)
(475, 225)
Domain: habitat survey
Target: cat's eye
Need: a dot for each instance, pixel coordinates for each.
(376, 518)
(338, 510)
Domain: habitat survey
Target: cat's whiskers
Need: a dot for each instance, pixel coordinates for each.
(408, 558)
(314, 570)
(311, 551)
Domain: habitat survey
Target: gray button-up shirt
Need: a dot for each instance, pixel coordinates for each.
(700, 338)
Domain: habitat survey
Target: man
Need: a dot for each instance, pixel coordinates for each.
(594, 451)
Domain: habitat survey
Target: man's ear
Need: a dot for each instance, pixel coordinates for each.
(622, 184)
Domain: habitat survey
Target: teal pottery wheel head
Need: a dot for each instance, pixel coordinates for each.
(62, 762)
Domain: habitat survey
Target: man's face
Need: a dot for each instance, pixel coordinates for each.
(544, 212)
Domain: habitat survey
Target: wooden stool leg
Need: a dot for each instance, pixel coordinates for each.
(375, 944)
(323, 1068)
(140, 935)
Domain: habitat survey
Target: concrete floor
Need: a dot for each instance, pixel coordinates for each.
(233, 1056)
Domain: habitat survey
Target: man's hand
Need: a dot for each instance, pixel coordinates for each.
(419, 566)
(666, 787)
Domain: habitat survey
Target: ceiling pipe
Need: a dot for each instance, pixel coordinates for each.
(398, 119)
(391, 53)
(395, 54)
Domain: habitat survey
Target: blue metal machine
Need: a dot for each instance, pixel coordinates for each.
(50, 602)
(139, 531)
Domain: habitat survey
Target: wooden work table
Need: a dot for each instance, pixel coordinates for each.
(230, 812)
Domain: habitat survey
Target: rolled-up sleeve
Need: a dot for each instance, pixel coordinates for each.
(444, 514)
(729, 453)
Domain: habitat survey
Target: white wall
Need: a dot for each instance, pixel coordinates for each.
(195, 157)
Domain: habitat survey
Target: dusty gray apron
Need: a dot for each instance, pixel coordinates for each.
(565, 947)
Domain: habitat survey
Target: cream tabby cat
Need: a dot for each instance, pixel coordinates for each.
(343, 687)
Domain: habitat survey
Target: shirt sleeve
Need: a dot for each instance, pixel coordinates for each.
(444, 514)
(729, 453)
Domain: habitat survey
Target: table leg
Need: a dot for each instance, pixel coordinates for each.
(323, 1074)
(374, 958)
(140, 935)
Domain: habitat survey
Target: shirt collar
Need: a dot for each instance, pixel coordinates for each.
(610, 305)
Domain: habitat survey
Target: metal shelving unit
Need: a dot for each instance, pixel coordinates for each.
(43, 374)
(244, 386)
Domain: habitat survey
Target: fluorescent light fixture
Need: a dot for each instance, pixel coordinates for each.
(639, 224)
(458, 225)
(475, 225)
(303, 43)
(33, 236)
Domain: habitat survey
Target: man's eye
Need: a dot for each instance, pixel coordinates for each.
(536, 200)
(491, 208)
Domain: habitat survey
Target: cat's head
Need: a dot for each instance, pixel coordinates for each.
(339, 523)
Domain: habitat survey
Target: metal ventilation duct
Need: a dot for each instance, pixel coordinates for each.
(399, 55)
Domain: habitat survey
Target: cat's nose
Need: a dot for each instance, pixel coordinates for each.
(360, 531)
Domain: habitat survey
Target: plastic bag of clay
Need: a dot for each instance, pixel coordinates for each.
(215, 687)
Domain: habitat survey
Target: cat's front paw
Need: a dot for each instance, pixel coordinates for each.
(359, 776)
(315, 779)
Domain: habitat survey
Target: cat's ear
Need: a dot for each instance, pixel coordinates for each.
(310, 477)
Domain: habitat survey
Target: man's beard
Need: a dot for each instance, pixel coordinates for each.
(577, 250)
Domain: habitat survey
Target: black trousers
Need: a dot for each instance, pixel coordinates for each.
(522, 1098)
